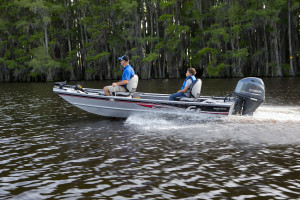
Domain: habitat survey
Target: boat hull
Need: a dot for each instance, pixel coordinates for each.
(104, 107)
(123, 107)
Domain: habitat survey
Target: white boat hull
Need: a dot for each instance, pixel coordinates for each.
(114, 106)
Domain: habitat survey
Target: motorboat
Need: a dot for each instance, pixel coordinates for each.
(248, 95)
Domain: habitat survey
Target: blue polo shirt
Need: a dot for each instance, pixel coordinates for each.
(128, 73)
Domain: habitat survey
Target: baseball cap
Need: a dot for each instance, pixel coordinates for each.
(124, 58)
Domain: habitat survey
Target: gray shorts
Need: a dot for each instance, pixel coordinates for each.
(118, 88)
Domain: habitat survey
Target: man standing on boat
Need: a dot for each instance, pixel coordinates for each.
(185, 90)
(127, 74)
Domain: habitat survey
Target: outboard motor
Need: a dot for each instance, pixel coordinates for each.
(250, 94)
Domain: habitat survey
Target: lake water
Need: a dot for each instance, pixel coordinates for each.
(50, 149)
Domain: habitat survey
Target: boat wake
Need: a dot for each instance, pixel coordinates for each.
(169, 121)
(278, 114)
(270, 124)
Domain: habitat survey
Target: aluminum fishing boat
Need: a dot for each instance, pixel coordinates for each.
(246, 98)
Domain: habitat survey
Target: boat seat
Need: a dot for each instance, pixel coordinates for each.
(195, 92)
(123, 94)
(131, 87)
(101, 93)
(186, 99)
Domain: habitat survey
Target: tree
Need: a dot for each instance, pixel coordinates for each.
(44, 40)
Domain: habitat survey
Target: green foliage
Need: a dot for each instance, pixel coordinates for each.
(133, 50)
(159, 45)
(150, 57)
(115, 40)
(259, 52)
(214, 71)
(11, 64)
(148, 40)
(91, 70)
(286, 69)
(23, 25)
(235, 13)
(35, 37)
(135, 58)
(2, 25)
(126, 6)
(237, 28)
(208, 50)
(72, 55)
(83, 34)
(173, 44)
(166, 3)
(166, 18)
(218, 34)
(65, 65)
(240, 53)
(97, 57)
(175, 32)
(177, 29)
(218, 11)
(41, 62)
(56, 9)
(117, 72)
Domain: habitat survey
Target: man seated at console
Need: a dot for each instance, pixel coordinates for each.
(127, 74)
(185, 90)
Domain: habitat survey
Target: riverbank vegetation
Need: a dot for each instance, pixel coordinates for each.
(45, 40)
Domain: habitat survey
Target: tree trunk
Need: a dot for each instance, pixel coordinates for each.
(66, 21)
(276, 49)
(266, 51)
(46, 38)
(83, 54)
(292, 72)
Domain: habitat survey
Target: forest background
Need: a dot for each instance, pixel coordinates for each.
(51, 40)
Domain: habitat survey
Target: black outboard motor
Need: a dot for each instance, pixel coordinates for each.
(250, 94)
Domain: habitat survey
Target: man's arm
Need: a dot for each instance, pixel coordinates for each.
(124, 82)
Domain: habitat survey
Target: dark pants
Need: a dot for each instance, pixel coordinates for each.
(178, 94)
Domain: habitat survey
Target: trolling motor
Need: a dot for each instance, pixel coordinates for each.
(79, 87)
(59, 85)
(250, 93)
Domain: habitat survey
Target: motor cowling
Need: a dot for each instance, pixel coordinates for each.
(250, 93)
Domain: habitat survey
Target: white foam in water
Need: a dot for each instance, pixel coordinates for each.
(278, 114)
(152, 122)
(271, 114)
(167, 121)
(270, 124)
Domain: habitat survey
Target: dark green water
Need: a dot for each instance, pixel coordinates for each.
(52, 150)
